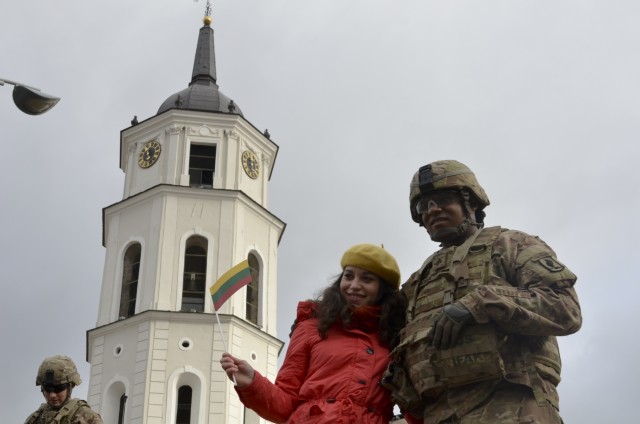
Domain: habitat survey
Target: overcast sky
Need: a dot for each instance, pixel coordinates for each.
(539, 98)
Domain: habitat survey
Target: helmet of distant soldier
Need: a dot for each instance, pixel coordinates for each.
(58, 369)
(445, 175)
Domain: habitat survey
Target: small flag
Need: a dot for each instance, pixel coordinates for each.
(230, 282)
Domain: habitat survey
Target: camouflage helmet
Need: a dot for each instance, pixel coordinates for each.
(442, 175)
(58, 369)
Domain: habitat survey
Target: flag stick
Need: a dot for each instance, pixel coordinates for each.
(229, 283)
(224, 343)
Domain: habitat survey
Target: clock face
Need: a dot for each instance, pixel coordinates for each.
(149, 154)
(250, 164)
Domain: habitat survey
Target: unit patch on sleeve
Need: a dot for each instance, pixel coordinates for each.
(551, 264)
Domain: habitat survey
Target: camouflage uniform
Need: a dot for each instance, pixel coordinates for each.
(60, 370)
(506, 365)
(79, 413)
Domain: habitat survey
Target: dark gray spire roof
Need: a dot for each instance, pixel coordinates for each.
(203, 93)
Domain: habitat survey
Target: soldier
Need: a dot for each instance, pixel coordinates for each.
(484, 312)
(57, 376)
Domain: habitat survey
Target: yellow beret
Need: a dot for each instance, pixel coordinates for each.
(374, 259)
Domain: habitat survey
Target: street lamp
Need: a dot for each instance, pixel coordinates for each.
(30, 100)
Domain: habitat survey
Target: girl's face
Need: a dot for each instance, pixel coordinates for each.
(359, 286)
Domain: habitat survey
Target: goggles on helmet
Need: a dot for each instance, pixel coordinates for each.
(436, 199)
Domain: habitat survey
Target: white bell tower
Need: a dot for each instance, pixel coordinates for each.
(195, 204)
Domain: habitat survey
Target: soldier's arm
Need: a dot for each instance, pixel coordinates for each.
(532, 293)
(86, 415)
(31, 418)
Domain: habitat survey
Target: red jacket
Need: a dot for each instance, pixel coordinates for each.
(332, 380)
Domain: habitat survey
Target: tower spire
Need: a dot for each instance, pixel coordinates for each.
(204, 66)
(203, 92)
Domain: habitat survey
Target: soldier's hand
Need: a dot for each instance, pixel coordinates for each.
(447, 326)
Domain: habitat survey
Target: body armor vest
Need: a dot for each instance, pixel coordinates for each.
(482, 351)
(61, 416)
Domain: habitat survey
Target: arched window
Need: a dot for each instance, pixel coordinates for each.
(114, 404)
(130, 273)
(253, 292)
(195, 274)
(186, 397)
(183, 410)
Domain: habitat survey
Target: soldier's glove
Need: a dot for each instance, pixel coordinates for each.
(447, 326)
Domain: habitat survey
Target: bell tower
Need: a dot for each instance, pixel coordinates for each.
(195, 203)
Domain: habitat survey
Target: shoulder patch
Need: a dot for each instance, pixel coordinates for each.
(550, 263)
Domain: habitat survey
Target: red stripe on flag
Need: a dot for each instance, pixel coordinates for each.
(222, 295)
(229, 283)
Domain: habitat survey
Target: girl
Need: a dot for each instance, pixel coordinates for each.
(338, 351)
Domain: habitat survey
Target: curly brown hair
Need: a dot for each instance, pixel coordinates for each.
(333, 307)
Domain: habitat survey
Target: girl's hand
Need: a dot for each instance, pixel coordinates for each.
(239, 368)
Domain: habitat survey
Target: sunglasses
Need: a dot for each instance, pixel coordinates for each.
(436, 199)
(54, 388)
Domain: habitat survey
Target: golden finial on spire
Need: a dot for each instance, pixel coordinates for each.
(207, 14)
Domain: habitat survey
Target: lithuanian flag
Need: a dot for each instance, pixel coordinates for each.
(230, 282)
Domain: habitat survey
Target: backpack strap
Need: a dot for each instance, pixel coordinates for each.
(480, 247)
(69, 409)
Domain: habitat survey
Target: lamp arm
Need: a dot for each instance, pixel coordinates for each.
(4, 81)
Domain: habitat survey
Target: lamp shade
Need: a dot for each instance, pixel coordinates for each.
(31, 101)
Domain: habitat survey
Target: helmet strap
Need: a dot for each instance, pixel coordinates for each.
(453, 233)
(469, 210)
